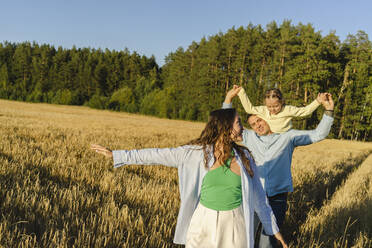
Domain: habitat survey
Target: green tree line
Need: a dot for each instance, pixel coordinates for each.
(116, 80)
(295, 58)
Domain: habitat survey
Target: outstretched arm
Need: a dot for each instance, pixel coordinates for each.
(231, 94)
(227, 104)
(301, 138)
(307, 110)
(165, 156)
(239, 91)
(247, 105)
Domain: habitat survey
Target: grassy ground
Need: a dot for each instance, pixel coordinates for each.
(55, 192)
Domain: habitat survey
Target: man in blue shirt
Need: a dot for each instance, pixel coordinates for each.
(273, 155)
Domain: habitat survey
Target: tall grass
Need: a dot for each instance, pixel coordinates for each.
(318, 170)
(346, 219)
(55, 192)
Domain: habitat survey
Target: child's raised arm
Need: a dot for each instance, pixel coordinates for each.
(247, 105)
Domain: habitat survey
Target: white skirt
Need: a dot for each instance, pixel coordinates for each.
(218, 229)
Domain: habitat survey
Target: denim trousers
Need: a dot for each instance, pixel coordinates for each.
(278, 204)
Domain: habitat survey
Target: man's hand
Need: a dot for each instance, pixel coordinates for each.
(232, 93)
(328, 103)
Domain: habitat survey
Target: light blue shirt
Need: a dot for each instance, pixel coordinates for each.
(273, 153)
(189, 160)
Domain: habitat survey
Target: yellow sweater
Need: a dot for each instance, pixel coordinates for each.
(280, 122)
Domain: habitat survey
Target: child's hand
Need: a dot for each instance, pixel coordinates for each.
(321, 97)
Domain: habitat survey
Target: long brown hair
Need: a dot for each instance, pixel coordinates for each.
(218, 131)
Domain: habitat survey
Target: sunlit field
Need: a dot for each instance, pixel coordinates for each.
(56, 192)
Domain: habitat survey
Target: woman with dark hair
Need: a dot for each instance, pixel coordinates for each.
(219, 188)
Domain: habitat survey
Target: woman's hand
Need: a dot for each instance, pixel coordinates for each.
(102, 150)
(279, 237)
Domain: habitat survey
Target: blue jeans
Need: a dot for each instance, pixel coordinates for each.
(278, 204)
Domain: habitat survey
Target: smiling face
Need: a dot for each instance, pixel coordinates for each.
(259, 125)
(274, 105)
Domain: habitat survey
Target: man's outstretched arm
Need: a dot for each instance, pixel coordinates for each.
(230, 95)
(302, 138)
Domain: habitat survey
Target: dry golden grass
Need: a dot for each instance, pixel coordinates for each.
(55, 192)
(318, 170)
(347, 213)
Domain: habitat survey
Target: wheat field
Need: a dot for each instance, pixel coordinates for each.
(56, 192)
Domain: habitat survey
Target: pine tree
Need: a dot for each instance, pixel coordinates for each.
(4, 82)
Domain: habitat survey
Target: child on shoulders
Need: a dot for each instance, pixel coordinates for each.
(275, 112)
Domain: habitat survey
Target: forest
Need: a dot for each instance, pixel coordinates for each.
(193, 81)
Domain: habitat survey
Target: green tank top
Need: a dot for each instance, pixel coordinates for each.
(221, 189)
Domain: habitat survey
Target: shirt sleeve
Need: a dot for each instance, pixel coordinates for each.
(302, 138)
(302, 111)
(247, 105)
(172, 157)
(261, 204)
(226, 105)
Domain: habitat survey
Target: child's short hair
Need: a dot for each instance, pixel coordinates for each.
(274, 93)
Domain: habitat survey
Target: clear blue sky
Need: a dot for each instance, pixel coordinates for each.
(158, 27)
